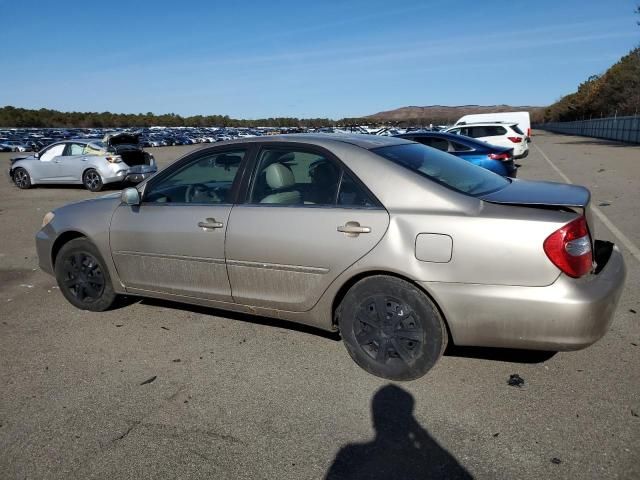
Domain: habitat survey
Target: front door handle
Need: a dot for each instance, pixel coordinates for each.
(353, 229)
(209, 224)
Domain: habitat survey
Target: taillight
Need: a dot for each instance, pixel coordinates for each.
(114, 159)
(569, 248)
(529, 132)
(500, 156)
(515, 139)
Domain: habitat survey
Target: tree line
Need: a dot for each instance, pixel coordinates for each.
(46, 118)
(616, 92)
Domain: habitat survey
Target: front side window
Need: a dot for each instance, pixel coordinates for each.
(444, 168)
(205, 180)
(52, 152)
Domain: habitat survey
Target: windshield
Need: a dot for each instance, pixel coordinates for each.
(444, 168)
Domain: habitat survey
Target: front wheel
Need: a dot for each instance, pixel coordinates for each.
(391, 328)
(92, 180)
(21, 178)
(83, 277)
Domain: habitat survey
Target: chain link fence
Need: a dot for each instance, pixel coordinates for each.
(622, 129)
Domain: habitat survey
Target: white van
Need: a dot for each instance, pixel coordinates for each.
(521, 118)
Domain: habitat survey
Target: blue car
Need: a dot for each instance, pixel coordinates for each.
(494, 158)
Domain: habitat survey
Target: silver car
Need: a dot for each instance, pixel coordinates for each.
(400, 247)
(92, 163)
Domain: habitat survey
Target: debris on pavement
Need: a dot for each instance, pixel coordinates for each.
(632, 310)
(149, 380)
(176, 360)
(496, 434)
(634, 413)
(515, 380)
(602, 170)
(164, 328)
(118, 325)
(27, 285)
(556, 461)
(604, 204)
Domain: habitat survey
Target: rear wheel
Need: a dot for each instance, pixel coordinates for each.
(391, 328)
(21, 178)
(83, 277)
(92, 180)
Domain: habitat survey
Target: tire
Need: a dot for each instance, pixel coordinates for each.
(92, 180)
(83, 277)
(411, 329)
(21, 178)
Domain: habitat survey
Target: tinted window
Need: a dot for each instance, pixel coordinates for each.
(486, 131)
(353, 195)
(459, 147)
(439, 143)
(444, 168)
(205, 180)
(516, 129)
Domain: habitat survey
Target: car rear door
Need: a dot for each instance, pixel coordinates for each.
(291, 239)
(173, 242)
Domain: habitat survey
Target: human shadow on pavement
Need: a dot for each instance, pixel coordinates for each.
(401, 450)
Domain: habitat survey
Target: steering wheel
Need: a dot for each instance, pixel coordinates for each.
(200, 190)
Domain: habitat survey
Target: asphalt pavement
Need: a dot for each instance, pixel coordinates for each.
(162, 390)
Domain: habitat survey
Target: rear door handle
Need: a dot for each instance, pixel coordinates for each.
(210, 224)
(353, 229)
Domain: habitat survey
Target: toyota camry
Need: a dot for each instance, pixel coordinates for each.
(400, 247)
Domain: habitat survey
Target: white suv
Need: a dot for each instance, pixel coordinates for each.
(501, 134)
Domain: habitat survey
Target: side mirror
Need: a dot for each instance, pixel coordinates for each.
(130, 196)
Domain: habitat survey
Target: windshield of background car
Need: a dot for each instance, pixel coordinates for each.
(444, 168)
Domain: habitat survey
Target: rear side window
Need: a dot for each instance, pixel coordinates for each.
(486, 131)
(444, 168)
(516, 129)
(433, 142)
(459, 147)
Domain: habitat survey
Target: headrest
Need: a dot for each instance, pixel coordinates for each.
(279, 176)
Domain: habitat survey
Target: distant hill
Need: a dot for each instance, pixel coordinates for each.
(616, 92)
(437, 114)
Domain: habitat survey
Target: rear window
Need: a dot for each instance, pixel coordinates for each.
(444, 168)
(516, 129)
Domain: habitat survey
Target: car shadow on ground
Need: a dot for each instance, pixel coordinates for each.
(485, 353)
(512, 355)
(243, 317)
(401, 449)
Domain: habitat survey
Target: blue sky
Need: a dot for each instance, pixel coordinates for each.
(322, 58)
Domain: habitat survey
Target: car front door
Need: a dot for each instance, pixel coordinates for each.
(72, 162)
(173, 242)
(306, 219)
(47, 169)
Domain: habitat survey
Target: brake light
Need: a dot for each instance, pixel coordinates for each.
(114, 159)
(515, 139)
(569, 248)
(500, 156)
(529, 132)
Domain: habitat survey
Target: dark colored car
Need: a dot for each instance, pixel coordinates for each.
(494, 158)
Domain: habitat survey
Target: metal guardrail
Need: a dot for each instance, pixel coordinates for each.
(622, 129)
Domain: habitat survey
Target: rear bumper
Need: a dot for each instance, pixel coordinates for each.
(569, 314)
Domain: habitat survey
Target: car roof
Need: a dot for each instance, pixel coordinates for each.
(326, 140)
(483, 124)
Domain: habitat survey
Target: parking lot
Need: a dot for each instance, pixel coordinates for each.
(234, 396)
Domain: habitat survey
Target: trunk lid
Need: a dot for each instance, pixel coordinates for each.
(124, 138)
(546, 194)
